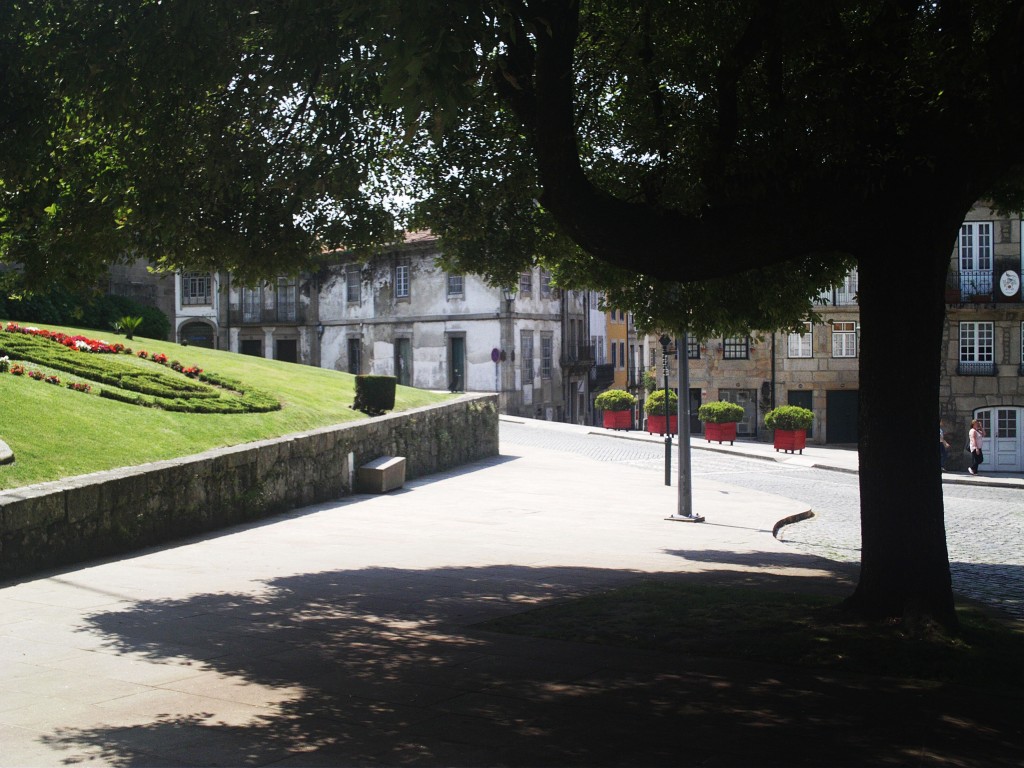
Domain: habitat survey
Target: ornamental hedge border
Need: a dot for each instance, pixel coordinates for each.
(142, 382)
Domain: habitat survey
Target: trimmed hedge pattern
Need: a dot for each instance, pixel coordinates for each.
(143, 382)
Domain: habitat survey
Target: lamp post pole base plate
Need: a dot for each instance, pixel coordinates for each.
(685, 519)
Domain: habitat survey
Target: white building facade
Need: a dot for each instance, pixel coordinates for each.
(398, 312)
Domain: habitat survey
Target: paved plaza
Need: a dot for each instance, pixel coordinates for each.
(984, 514)
(347, 634)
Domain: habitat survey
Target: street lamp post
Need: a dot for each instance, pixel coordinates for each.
(684, 510)
(664, 340)
(506, 350)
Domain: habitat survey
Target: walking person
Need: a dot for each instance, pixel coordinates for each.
(975, 437)
(943, 447)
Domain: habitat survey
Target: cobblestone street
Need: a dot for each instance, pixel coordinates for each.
(984, 525)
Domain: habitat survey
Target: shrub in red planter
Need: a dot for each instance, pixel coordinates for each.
(720, 418)
(617, 406)
(790, 423)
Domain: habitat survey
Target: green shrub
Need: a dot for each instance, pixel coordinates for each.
(720, 412)
(128, 324)
(59, 305)
(375, 394)
(650, 381)
(655, 405)
(155, 324)
(614, 400)
(789, 417)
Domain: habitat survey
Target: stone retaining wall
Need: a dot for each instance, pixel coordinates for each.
(116, 511)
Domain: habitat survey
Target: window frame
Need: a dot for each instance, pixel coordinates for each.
(547, 346)
(455, 284)
(545, 284)
(403, 275)
(252, 304)
(287, 288)
(526, 284)
(1007, 424)
(736, 348)
(526, 359)
(976, 357)
(353, 284)
(845, 339)
(976, 245)
(196, 289)
(804, 343)
(976, 257)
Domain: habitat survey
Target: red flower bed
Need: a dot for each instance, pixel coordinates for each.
(79, 342)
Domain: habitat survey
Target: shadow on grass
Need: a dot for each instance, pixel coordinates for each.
(392, 667)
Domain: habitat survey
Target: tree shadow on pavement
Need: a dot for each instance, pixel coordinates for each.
(384, 667)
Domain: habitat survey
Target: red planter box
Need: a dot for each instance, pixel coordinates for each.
(790, 440)
(657, 424)
(720, 432)
(617, 419)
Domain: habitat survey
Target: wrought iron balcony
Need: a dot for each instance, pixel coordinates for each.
(579, 357)
(976, 369)
(975, 286)
(601, 376)
(284, 315)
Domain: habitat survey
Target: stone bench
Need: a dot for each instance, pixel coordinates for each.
(381, 475)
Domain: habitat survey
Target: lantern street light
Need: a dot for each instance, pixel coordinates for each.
(509, 294)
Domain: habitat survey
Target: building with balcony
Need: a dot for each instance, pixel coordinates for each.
(983, 363)
(397, 312)
(983, 366)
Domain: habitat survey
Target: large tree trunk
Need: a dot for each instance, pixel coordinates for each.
(904, 562)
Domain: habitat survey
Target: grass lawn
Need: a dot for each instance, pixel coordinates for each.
(56, 432)
(759, 625)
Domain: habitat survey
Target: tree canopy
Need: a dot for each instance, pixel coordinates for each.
(712, 164)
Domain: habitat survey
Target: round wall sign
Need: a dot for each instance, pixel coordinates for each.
(1009, 283)
(495, 355)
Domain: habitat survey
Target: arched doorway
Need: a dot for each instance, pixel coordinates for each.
(197, 334)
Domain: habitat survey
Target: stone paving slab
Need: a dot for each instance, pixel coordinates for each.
(344, 634)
